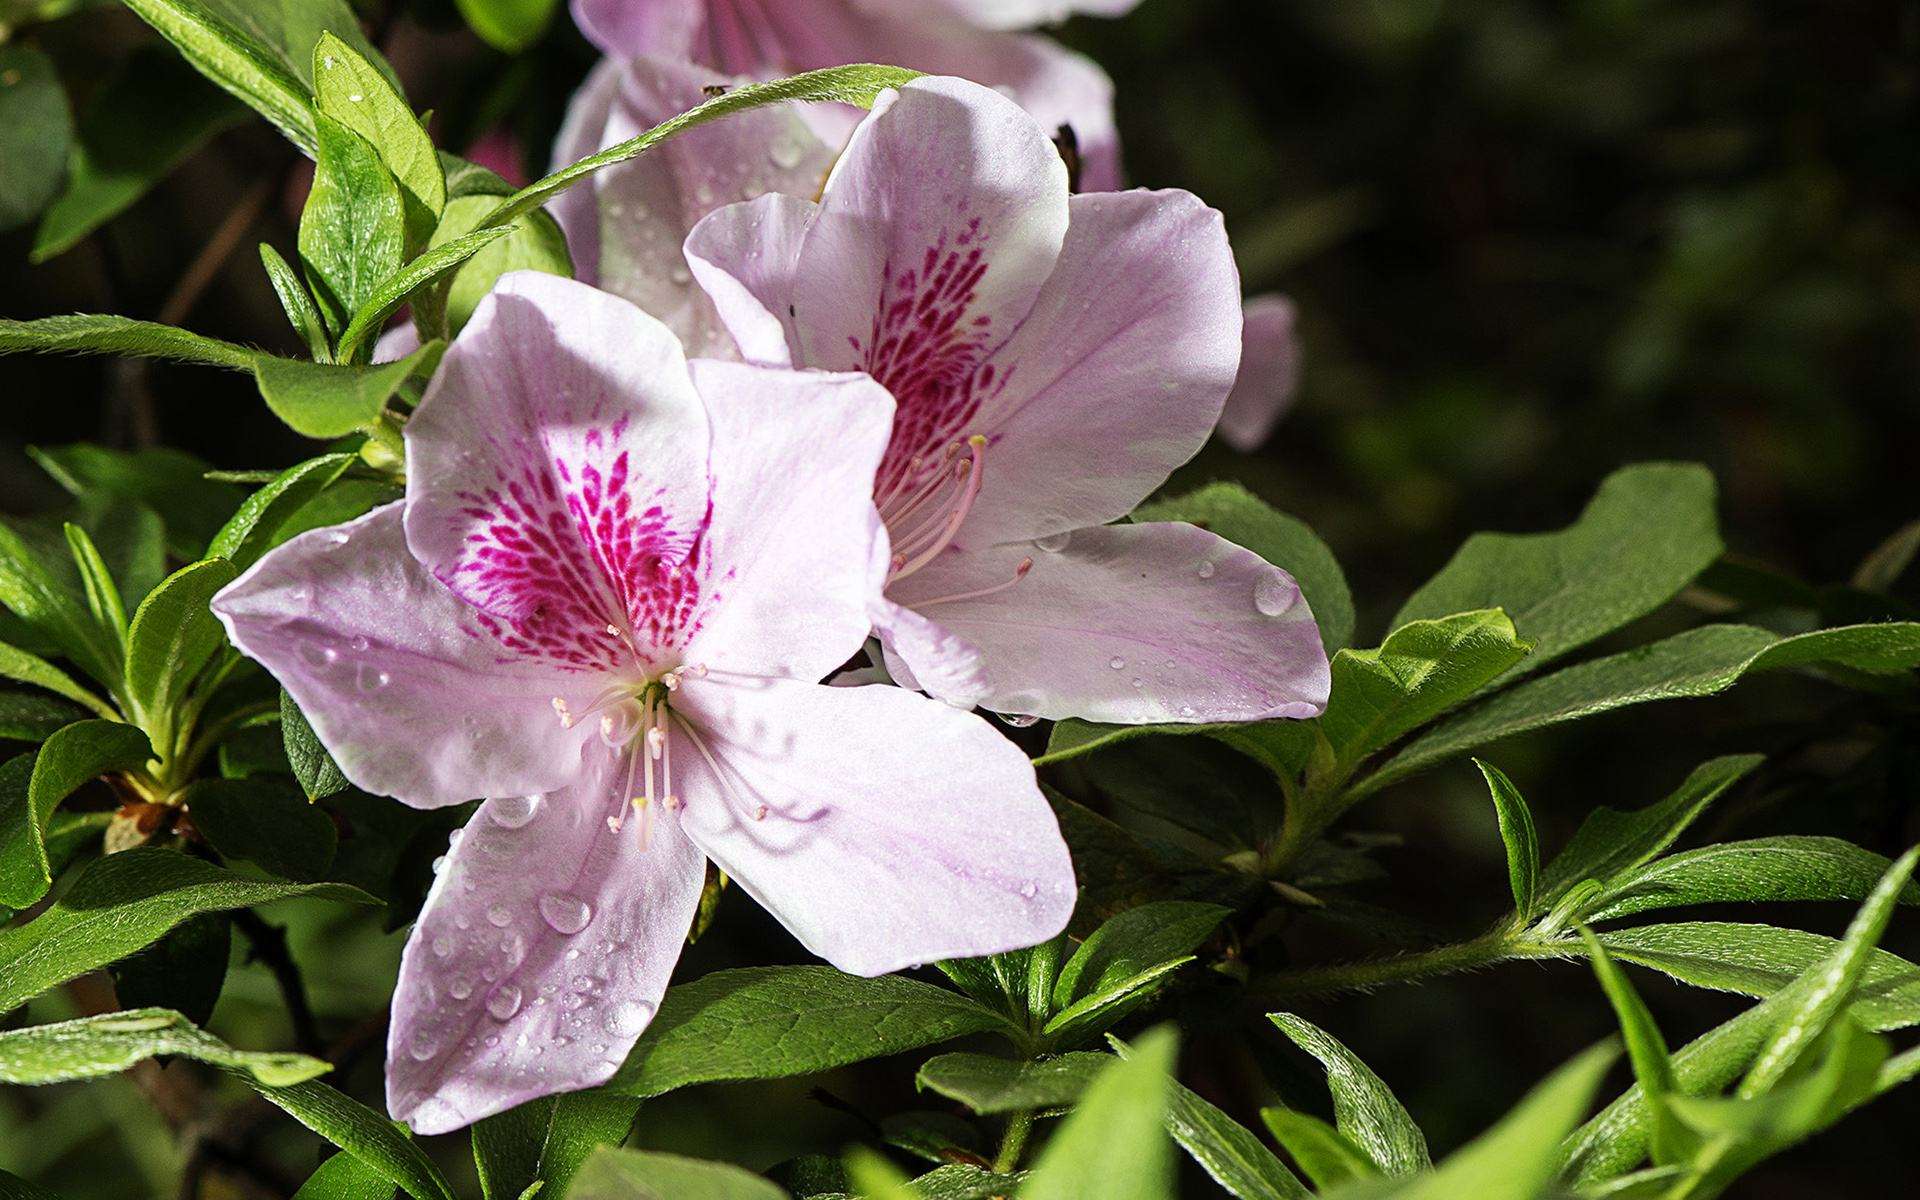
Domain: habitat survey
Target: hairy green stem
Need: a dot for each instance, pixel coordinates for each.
(1013, 1142)
(1501, 945)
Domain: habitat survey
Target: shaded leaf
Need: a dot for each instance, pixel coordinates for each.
(173, 635)
(35, 131)
(1365, 1109)
(990, 1085)
(313, 767)
(264, 822)
(612, 1174)
(170, 482)
(33, 785)
(1517, 832)
(329, 400)
(184, 971)
(1763, 869)
(255, 526)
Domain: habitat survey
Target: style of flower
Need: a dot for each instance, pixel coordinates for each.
(604, 604)
(1269, 374)
(1053, 359)
(766, 39)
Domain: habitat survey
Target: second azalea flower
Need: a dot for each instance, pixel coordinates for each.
(1053, 358)
(605, 604)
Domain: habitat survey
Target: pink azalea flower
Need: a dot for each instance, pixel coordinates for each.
(769, 38)
(1269, 374)
(1053, 359)
(605, 603)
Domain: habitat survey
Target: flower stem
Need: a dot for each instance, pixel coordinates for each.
(1500, 945)
(1019, 1126)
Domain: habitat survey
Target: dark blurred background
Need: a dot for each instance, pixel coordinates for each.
(1530, 240)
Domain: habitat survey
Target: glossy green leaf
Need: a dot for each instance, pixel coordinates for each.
(69, 758)
(1646, 533)
(326, 400)
(990, 1085)
(12, 1187)
(97, 586)
(33, 716)
(170, 482)
(253, 529)
(1646, 1048)
(1134, 941)
(140, 125)
(352, 92)
(126, 901)
(36, 129)
(264, 822)
(1517, 833)
(229, 55)
(1699, 662)
(22, 667)
(1365, 1110)
(344, 1177)
(33, 594)
(509, 25)
(363, 1133)
(545, 1142)
(533, 243)
(313, 767)
(391, 292)
(353, 229)
(1114, 1145)
(1228, 1151)
(1325, 1155)
(111, 1043)
(770, 1022)
(174, 634)
(1763, 869)
(1244, 519)
(122, 337)
(1610, 843)
(643, 1175)
(298, 304)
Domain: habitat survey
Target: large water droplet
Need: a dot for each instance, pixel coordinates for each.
(361, 644)
(1028, 889)
(1274, 594)
(628, 1018)
(422, 1046)
(439, 864)
(567, 914)
(1019, 720)
(1186, 710)
(442, 946)
(785, 152)
(435, 1113)
(498, 915)
(1206, 570)
(1116, 662)
(369, 678)
(504, 1002)
(513, 812)
(1054, 542)
(460, 987)
(319, 656)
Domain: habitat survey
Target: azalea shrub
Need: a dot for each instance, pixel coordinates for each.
(778, 668)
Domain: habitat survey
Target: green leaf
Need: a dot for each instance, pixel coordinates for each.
(111, 1043)
(267, 824)
(1517, 832)
(97, 585)
(1764, 869)
(253, 529)
(318, 774)
(31, 786)
(47, 607)
(353, 229)
(1760, 960)
(990, 1085)
(126, 901)
(301, 312)
(35, 131)
(344, 1177)
(1646, 1048)
(545, 1141)
(612, 1174)
(1244, 519)
(1325, 1155)
(1113, 1145)
(173, 635)
(31, 717)
(958, 1181)
(141, 124)
(184, 971)
(533, 243)
(1610, 843)
(1134, 941)
(363, 1133)
(351, 92)
(170, 482)
(234, 59)
(1420, 671)
(120, 336)
(1365, 1110)
(1227, 1150)
(509, 26)
(12, 1187)
(327, 400)
(1699, 662)
(22, 667)
(1645, 535)
(391, 292)
(872, 1177)
(1515, 1160)
(857, 84)
(771, 1022)
(1836, 984)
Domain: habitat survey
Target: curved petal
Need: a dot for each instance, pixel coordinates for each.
(642, 210)
(1132, 624)
(583, 131)
(1119, 374)
(896, 830)
(1269, 373)
(622, 28)
(557, 474)
(924, 655)
(745, 257)
(541, 954)
(414, 699)
(936, 231)
(793, 535)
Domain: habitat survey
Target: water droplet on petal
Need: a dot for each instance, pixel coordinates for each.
(1274, 594)
(369, 678)
(785, 152)
(361, 644)
(628, 1018)
(421, 1046)
(319, 656)
(1019, 720)
(1186, 710)
(460, 987)
(442, 946)
(1054, 542)
(1028, 889)
(504, 1002)
(1116, 662)
(1206, 570)
(499, 916)
(436, 1113)
(1138, 682)
(439, 864)
(567, 914)
(513, 812)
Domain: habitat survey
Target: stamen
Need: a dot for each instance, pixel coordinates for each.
(757, 811)
(956, 515)
(560, 709)
(1019, 573)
